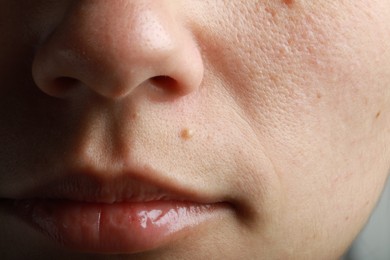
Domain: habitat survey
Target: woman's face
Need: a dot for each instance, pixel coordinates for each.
(270, 119)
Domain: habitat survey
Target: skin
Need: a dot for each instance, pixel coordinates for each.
(280, 108)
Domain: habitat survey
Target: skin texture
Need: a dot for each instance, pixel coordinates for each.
(280, 108)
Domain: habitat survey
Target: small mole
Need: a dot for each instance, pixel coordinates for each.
(186, 134)
(378, 114)
(319, 95)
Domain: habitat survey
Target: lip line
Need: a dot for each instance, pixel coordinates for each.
(128, 187)
(16, 202)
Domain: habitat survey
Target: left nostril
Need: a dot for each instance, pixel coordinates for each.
(65, 82)
(60, 86)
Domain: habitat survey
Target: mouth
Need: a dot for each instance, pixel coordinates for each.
(123, 227)
(124, 217)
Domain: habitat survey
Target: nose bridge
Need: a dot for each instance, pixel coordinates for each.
(136, 30)
(128, 39)
(114, 46)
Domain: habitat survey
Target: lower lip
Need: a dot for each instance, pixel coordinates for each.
(125, 227)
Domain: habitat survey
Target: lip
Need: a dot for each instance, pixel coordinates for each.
(115, 216)
(121, 227)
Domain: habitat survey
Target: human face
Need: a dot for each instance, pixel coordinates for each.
(270, 119)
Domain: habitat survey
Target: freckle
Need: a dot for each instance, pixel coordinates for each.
(274, 79)
(257, 7)
(186, 134)
(319, 95)
(378, 114)
(291, 41)
(347, 218)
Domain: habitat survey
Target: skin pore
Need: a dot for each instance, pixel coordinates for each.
(279, 109)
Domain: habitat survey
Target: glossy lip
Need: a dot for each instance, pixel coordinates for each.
(123, 227)
(124, 215)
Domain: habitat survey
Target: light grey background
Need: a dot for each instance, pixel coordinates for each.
(374, 241)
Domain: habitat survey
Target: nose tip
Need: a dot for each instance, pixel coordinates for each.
(113, 47)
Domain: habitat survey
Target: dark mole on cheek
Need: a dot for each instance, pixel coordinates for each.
(186, 134)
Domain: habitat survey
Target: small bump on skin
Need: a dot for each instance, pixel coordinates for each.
(134, 115)
(186, 134)
(271, 11)
(289, 2)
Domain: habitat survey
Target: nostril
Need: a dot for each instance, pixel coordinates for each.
(62, 85)
(65, 82)
(165, 84)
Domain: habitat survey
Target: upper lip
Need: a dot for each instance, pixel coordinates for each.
(87, 189)
(89, 186)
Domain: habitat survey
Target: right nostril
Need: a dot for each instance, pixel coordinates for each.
(165, 84)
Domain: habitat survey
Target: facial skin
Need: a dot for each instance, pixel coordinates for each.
(279, 108)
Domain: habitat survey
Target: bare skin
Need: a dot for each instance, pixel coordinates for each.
(280, 109)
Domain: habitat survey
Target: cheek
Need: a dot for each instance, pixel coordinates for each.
(305, 75)
(311, 79)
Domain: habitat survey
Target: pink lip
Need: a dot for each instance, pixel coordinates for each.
(116, 212)
(121, 227)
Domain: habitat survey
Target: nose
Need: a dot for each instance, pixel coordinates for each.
(113, 48)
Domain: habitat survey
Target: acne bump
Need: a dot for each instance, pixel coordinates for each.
(289, 2)
(134, 115)
(186, 134)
